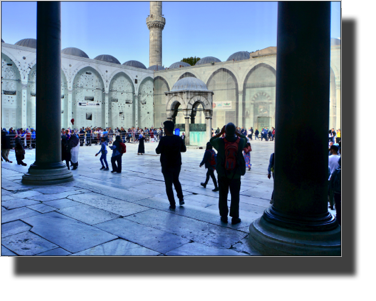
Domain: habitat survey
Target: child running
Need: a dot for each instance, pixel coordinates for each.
(103, 150)
(209, 160)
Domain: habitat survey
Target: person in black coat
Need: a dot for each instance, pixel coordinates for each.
(209, 153)
(170, 147)
(141, 145)
(5, 146)
(65, 151)
(20, 152)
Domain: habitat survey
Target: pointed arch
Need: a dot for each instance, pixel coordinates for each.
(227, 115)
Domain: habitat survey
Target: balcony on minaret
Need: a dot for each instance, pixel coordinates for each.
(155, 21)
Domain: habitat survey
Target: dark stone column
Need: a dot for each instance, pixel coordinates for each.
(48, 167)
(298, 223)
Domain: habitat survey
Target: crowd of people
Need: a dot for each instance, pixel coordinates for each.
(266, 134)
(231, 160)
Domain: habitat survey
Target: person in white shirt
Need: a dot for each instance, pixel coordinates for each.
(333, 159)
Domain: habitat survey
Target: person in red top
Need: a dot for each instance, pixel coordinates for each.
(28, 138)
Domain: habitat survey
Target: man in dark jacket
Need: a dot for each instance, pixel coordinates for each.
(5, 146)
(229, 178)
(209, 153)
(170, 147)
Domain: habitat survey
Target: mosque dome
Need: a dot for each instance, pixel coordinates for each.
(189, 83)
(31, 43)
(74, 51)
(208, 60)
(135, 64)
(178, 64)
(239, 56)
(156, 68)
(107, 58)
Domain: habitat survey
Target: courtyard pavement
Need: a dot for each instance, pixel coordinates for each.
(103, 214)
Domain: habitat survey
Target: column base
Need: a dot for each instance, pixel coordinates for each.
(272, 240)
(57, 173)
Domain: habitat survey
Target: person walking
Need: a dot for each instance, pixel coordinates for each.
(103, 152)
(250, 133)
(247, 155)
(256, 134)
(20, 152)
(116, 155)
(271, 171)
(65, 151)
(210, 161)
(230, 167)
(335, 190)
(74, 147)
(5, 146)
(141, 145)
(170, 147)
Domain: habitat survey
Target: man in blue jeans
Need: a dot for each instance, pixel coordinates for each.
(170, 147)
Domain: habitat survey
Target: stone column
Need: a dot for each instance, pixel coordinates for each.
(24, 122)
(48, 167)
(239, 105)
(70, 108)
(136, 110)
(106, 109)
(187, 129)
(208, 128)
(338, 100)
(298, 223)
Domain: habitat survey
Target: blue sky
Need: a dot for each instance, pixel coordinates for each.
(192, 28)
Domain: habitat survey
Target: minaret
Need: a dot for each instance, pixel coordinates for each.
(155, 23)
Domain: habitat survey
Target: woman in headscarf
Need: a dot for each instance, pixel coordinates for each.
(141, 145)
(116, 155)
(65, 151)
(74, 146)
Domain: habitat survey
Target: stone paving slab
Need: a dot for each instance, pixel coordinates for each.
(185, 227)
(118, 247)
(27, 244)
(197, 249)
(88, 214)
(26, 194)
(108, 203)
(55, 252)
(12, 228)
(154, 239)
(42, 208)
(245, 247)
(5, 192)
(61, 203)
(55, 189)
(50, 197)
(7, 252)
(17, 203)
(67, 233)
(18, 213)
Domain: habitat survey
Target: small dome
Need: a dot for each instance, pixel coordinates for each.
(2, 41)
(107, 58)
(31, 43)
(178, 64)
(239, 56)
(335, 42)
(189, 83)
(208, 60)
(74, 51)
(135, 64)
(156, 68)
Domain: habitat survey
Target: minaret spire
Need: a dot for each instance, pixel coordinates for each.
(155, 22)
